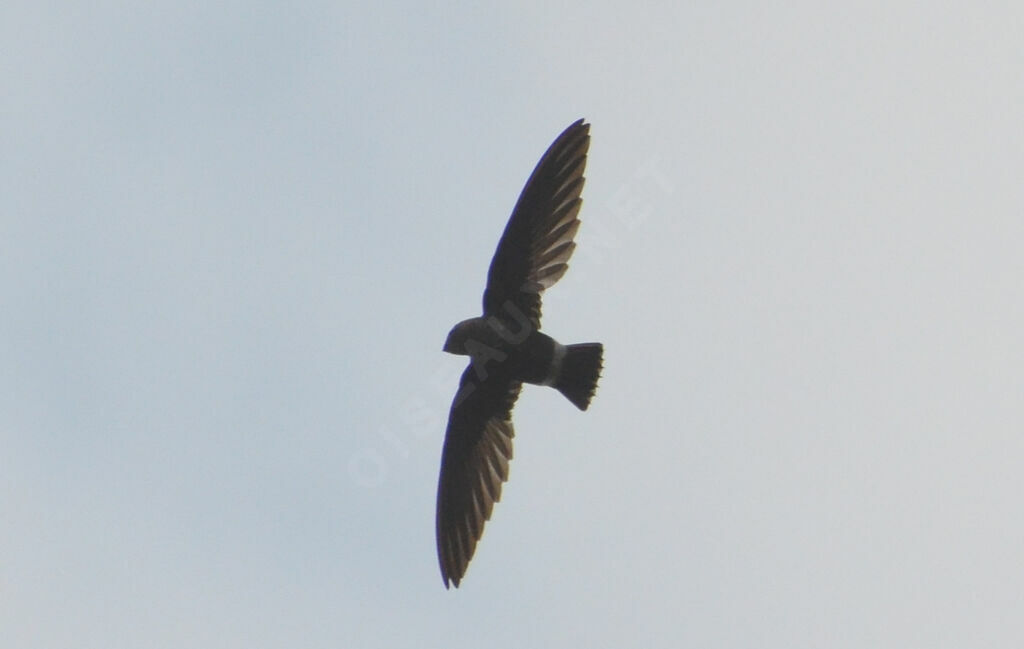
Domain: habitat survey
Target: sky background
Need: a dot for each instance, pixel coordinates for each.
(234, 236)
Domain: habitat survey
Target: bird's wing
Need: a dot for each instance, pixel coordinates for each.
(474, 464)
(534, 250)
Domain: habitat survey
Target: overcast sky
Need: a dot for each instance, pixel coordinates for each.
(234, 236)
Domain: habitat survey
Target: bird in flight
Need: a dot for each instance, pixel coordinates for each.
(506, 349)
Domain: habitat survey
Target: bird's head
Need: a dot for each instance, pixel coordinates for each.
(460, 333)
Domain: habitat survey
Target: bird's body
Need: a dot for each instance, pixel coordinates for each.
(507, 348)
(525, 355)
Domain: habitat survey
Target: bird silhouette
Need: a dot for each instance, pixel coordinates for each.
(506, 349)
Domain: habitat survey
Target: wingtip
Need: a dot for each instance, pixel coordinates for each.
(579, 125)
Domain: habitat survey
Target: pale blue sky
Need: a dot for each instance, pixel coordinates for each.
(233, 239)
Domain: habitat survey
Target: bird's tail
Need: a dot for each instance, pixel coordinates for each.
(579, 371)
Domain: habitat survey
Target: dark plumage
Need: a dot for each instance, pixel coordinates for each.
(507, 349)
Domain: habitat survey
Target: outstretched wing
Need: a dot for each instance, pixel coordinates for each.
(474, 464)
(534, 250)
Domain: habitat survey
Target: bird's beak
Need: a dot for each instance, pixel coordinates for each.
(451, 347)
